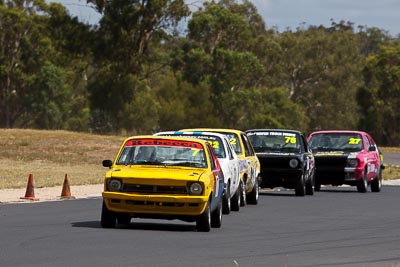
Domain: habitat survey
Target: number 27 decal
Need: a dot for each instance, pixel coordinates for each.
(354, 141)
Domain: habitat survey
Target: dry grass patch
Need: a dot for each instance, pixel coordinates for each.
(49, 155)
(391, 172)
(390, 149)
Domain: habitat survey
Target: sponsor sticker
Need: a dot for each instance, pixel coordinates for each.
(163, 142)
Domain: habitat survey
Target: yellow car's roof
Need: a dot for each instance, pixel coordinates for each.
(178, 138)
(217, 130)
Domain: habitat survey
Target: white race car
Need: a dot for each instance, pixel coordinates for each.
(229, 163)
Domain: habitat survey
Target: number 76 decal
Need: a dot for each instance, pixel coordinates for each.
(289, 139)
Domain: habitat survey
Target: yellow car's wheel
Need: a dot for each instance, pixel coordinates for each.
(203, 223)
(216, 216)
(108, 218)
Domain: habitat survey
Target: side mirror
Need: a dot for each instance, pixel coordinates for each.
(107, 163)
(372, 148)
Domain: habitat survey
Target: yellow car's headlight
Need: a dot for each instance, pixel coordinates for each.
(195, 188)
(114, 185)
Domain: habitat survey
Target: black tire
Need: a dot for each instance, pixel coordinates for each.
(216, 216)
(376, 184)
(203, 222)
(252, 197)
(243, 200)
(362, 184)
(300, 189)
(310, 185)
(235, 200)
(123, 219)
(317, 186)
(226, 200)
(108, 218)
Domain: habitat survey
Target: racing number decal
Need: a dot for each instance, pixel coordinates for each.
(232, 141)
(354, 141)
(214, 144)
(289, 139)
(195, 151)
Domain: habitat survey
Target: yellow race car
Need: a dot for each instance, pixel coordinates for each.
(161, 177)
(248, 161)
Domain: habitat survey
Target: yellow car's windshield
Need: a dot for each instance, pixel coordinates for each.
(162, 152)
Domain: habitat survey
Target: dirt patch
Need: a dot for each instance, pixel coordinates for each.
(50, 193)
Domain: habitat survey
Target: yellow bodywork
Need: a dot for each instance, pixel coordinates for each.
(249, 163)
(158, 189)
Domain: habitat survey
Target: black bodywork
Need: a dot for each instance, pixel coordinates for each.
(331, 170)
(275, 149)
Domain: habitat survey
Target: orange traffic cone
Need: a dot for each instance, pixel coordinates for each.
(66, 191)
(30, 191)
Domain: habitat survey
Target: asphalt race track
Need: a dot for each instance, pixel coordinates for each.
(391, 158)
(336, 227)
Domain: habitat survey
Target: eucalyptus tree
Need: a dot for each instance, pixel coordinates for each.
(24, 47)
(35, 69)
(219, 52)
(126, 53)
(15, 26)
(380, 95)
(322, 71)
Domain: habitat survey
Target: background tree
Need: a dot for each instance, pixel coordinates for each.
(380, 96)
(322, 69)
(36, 75)
(126, 54)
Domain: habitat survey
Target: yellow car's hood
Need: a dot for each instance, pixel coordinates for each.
(156, 172)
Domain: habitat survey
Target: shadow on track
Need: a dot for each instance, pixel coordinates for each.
(141, 226)
(338, 190)
(277, 192)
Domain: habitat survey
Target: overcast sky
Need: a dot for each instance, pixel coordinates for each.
(283, 14)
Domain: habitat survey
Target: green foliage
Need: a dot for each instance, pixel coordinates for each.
(380, 96)
(39, 78)
(263, 108)
(322, 73)
(47, 102)
(128, 27)
(183, 104)
(135, 72)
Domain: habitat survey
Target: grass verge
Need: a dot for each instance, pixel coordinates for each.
(50, 155)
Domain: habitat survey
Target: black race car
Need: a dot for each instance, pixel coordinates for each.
(285, 158)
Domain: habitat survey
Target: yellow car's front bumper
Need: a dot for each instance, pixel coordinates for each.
(155, 204)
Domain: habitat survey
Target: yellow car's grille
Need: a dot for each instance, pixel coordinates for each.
(154, 189)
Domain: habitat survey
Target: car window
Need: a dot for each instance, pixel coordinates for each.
(229, 149)
(162, 152)
(248, 151)
(350, 142)
(303, 144)
(235, 142)
(213, 167)
(367, 143)
(215, 141)
(276, 141)
(218, 146)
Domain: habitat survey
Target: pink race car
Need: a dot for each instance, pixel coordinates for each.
(346, 157)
